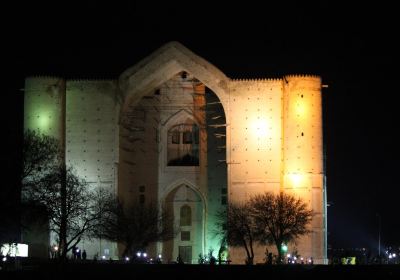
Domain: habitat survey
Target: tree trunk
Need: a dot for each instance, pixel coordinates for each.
(279, 247)
(249, 259)
(63, 222)
(251, 251)
(63, 191)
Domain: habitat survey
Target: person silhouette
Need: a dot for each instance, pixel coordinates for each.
(269, 261)
(266, 255)
(212, 260)
(179, 259)
(84, 255)
(74, 252)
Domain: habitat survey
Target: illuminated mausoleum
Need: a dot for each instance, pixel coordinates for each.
(174, 129)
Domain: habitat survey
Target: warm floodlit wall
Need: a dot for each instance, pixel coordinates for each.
(303, 156)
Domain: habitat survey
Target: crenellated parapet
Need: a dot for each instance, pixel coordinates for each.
(302, 76)
(256, 80)
(239, 86)
(309, 82)
(89, 84)
(40, 83)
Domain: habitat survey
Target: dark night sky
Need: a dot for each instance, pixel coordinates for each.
(352, 48)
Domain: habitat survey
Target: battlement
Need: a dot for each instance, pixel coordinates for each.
(307, 77)
(302, 76)
(40, 83)
(89, 80)
(258, 80)
(43, 77)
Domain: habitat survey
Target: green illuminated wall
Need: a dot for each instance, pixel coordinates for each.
(91, 141)
(84, 114)
(43, 105)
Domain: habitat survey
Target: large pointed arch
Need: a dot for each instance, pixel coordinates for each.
(162, 65)
(178, 116)
(154, 73)
(179, 183)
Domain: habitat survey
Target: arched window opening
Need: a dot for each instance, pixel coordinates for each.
(186, 216)
(183, 145)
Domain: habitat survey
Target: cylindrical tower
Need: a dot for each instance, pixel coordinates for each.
(303, 172)
(44, 104)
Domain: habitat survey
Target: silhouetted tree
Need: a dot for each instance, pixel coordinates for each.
(135, 225)
(83, 206)
(72, 207)
(280, 218)
(237, 228)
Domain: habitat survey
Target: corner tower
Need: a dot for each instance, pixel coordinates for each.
(302, 152)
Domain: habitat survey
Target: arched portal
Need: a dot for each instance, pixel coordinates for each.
(173, 127)
(188, 210)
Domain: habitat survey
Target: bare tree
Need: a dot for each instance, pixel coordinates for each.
(280, 218)
(135, 225)
(82, 205)
(40, 154)
(237, 228)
